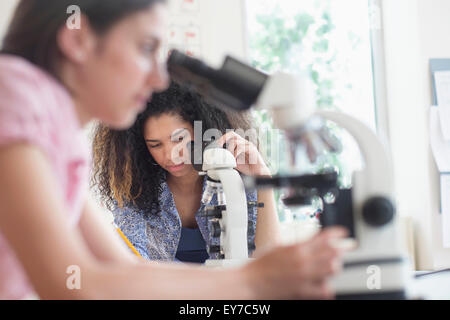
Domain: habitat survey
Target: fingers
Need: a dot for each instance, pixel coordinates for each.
(240, 148)
(329, 237)
(231, 145)
(231, 135)
(232, 139)
(320, 266)
(294, 271)
(334, 232)
(319, 258)
(326, 264)
(325, 253)
(316, 290)
(242, 154)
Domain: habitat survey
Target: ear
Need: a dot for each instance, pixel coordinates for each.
(77, 44)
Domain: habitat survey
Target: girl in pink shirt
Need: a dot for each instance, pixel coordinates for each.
(58, 72)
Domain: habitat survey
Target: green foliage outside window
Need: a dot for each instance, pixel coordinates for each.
(281, 44)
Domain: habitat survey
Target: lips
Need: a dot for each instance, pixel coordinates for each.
(143, 99)
(176, 168)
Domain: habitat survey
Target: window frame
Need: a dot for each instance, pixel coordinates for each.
(379, 70)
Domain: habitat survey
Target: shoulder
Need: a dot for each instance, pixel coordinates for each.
(19, 85)
(18, 75)
(26, 87)
(127, 211)
(33, 105)
(14, 65)
(129, 219)
(18, 61)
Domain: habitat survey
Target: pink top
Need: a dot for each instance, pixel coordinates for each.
(36, 109)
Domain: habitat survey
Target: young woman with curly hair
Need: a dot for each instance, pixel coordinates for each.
(155, 197)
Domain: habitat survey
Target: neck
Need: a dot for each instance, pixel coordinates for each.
(69, 80)
(84, 117)
(187, 183)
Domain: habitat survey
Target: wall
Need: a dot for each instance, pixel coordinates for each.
(208, 29)
(414, 32)
(220, 25)
(6, 10)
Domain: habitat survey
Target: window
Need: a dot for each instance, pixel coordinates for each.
(332, 41)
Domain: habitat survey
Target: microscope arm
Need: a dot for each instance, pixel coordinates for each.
(291, 101)
(373, 191)
(235, 243)
(377, 172)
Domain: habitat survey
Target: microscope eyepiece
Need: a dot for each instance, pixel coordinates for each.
(182, 66)
(236, 85)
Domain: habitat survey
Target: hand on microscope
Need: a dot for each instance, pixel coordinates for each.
(299, 271)
(249, 160)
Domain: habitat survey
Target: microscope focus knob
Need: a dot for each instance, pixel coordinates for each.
(378, 211)
(215, 228)
(214, 249)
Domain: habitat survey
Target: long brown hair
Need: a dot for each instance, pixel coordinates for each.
(125, 173)
(33, 31)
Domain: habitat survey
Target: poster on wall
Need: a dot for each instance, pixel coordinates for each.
(207, 29)
(184, 33)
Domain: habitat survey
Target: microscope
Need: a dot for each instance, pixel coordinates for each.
(376, 268)
(228, 220)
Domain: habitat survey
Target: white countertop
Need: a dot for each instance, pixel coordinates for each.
(431, 286)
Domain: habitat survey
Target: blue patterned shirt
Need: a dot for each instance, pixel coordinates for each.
(156, 236)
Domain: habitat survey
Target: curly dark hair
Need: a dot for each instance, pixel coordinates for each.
(124, 171)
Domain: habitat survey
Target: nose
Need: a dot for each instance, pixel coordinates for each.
(159, 77)
(168, 153)
(174, 153)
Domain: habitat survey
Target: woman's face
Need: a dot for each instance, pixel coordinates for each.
(167, 137)
(123, 69)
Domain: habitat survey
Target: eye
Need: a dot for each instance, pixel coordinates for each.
(149, 48)
(154, 146)
(179, 138)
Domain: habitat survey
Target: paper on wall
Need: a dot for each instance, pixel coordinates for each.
(444, 119)
(439, 145)
(442, 82)
(445, 202)
(441, 152)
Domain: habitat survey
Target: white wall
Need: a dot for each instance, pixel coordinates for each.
(219, 28)
(6, 10)
(221, 25)
(414, 32)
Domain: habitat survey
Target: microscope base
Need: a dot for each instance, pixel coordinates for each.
(373, 279)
